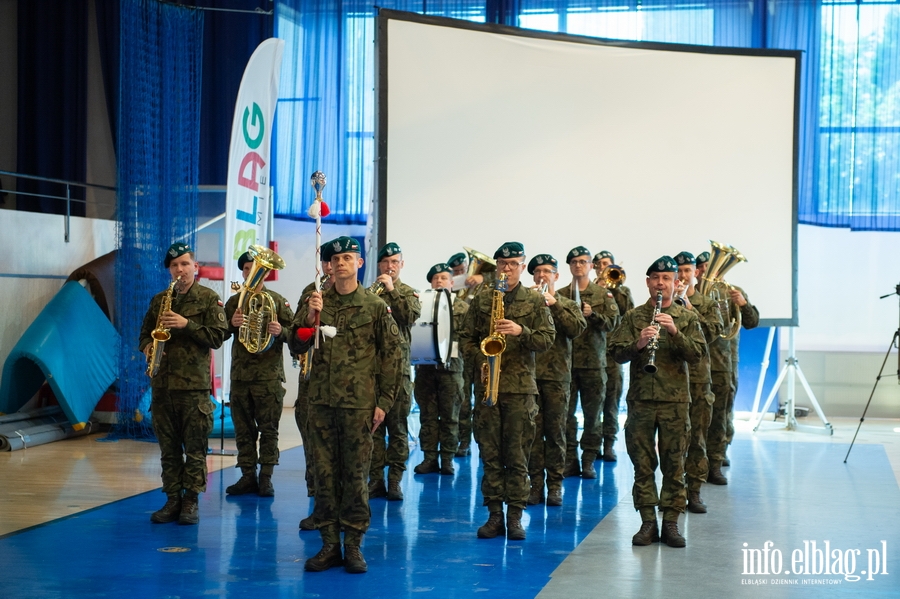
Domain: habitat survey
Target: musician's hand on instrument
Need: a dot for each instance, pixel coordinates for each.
(738, 298)
(647, 335)
(315, 306)
(586, 309)
(274, 328)
(549, 298)
(146, 350)
(171, 320)
(377, 418)
(387, 281)
(474, 280)
(508, 327)
(237, 319)
(666, 322)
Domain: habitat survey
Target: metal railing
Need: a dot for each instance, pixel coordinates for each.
(67, 198)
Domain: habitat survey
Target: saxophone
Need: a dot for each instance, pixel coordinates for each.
(160, 334)
(493, 346)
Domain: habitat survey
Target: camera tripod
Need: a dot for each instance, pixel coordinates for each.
(895, 341)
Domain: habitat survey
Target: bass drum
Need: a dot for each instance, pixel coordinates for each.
(431, 333)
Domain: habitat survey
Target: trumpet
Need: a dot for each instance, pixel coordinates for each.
(612, 276)
(650, 367)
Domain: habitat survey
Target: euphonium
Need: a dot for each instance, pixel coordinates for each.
(612, 276)
(478, 264)
(722, 258)
(160, 334)
(493, 346)
(650, 367)
(257, 306)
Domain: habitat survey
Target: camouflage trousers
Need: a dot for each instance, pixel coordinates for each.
(438, 394)
(256, 409)
(590, 387)
(301, 415)
(504, 433)
(614, 374)
(696, 462)
(182, 421)
(717, 437)
(391, 439)
(465, 404)
(729, 422)
(666, 425)
(548, 453)
(341, 443)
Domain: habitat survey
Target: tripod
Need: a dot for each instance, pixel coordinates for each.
(791, 370)
(894, 342)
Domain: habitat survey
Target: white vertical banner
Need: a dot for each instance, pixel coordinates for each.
(247, 198)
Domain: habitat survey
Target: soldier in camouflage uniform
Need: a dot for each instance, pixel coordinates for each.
(504, 432)
(301, 404)
(180, 404)
(749, 320)
(439, 390)
(391, 445)
(459, 263)
(257, 392)
(614, 370)
(589, 367)
(553, 377)
(658, 403)
(353, 381)
(696, 464)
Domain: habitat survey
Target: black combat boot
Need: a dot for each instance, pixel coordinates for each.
(514, 530)
(554, 496)
(572, 468)
(428, 466)
(647, 535)
(354, 562)
(715, 476)
(377, 489)
(670, 535)
(394, 493)
(169, 512)
(493, 527)
(190, 509)
(265, 486)
(308, 523)
(447, 467)
(587, 466)
(609, 452)
(537, 494)
(246, 484)
(695, 504)
(328, 556)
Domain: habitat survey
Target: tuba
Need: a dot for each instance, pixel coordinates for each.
(493, 346)
(722, 258)
(257, 306)
(612, 276)
(160, 334)
(478, 264)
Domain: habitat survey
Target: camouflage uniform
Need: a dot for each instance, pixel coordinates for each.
(404, 305)
(438, 393)
(553, 376)
(504, 432)
(301, 404)
(660, 402)
(181, 407)
(696, 463)
(257, 390)
(470, 377)
(749, 320)
(589, 375)
(614, 370)
(351, 374)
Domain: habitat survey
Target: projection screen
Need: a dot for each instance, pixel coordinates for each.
(487, 134)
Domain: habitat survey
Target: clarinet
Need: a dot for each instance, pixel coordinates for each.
(650, 366)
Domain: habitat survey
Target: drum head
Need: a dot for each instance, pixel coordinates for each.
(443, 332)
(432, 332)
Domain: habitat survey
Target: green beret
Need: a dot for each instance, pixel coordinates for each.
(510, 249)
(540, 260)
(604, 254)
(683, 258)
(702, 258)
(663, 264)
(389, 249)
(441, 267)
(244, 259)
(326, 251)
(456, 259)
(577, 251)
(175, 250)
(341, 245)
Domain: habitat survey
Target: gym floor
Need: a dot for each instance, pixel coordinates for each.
(74, 523)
